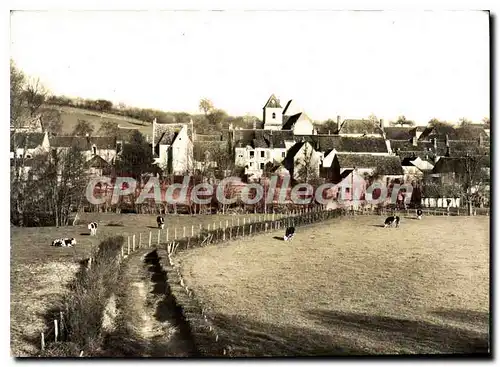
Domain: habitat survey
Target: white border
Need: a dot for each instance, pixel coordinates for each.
(201, 5)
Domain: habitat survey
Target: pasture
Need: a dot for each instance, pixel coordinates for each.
(39, 272)
(349, 286)
(71, 115)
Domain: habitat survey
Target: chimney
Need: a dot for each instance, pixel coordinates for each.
(447, 141)
(338, 124)
(414, 141)
(381, 123)
(434, 141)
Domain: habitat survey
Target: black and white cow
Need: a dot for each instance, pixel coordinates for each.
(289, 233)
(64, 242)
(390, 221)
(93, 228)
(160, 221)
(419, 213)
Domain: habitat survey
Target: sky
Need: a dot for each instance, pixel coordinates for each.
(423, 65)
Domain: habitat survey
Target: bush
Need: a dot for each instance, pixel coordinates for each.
(89, 294)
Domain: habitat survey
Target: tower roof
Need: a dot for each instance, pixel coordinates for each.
(272, 102)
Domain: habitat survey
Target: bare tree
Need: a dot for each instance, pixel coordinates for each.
(402, 121)
(82, 128)
(474, 177)
(307, 171)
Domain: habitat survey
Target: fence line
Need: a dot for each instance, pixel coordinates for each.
(203, 237)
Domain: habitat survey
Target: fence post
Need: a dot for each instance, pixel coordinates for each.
(232, 222)
(167, 235)
(140, 240)
(243, 231)
(224, 234)
(244, 221)
(175, 233)
(184, 232)
(122, 252)
(128, 245)
(227, 223)
(56, 330)
(61, 322)
(250, 229)
(238, 221)
(149, 243)
(133, 243)
(42, 342)
(159, 231)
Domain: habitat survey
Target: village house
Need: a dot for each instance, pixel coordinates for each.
(415, 168)
(103, 146)
(302, 162)
(28, 144)
(173, 147)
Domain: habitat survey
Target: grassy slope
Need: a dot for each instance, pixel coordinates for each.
(71, 115)
(39, 271)
(350, 286)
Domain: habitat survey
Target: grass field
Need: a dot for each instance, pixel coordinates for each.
(71, 115)
(349, 286)
(39, 272)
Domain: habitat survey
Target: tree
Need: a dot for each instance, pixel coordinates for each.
(83, 128)
(307, 170)
(402, 121)
(136, 159)
(486, 122)
(474, 177)
(216, 117)
(109, 128)
(464, 122)
(51, 121)
(206, 106)
(35, 95)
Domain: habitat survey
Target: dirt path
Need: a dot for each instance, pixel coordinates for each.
(149, 323)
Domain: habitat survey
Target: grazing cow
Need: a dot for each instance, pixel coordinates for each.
(390, 221)
(64, 242)
(289, 233)
(161, 221)
(93, 228)
(419, 213)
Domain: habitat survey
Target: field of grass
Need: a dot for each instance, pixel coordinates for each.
(71, 115)
(349, 286)
(39, 271)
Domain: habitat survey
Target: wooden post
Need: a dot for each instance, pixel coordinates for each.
(220, 225)
(184, 232)
(201, 227)
(42, 342)
(61, 321)
(250, 229)
(192, 231)
(238, 221)
(224, 234)
(243, 231)
(133, 243)
(208, 227)
(215, 227)
(140, 240)
(232, 222)
(128, 246)
(56, 330)
(175, 233)
(167, 235)
(122, 252)
(149, 243)
(159, 231)
(227, 223)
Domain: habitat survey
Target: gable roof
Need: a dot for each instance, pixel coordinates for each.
(165, 134)
(22, 139)
(290, 121)
(385, 165)
(359, 126)
(272, 102)
(262, 138)
(83, 142)
(399, 132)
(457, 164)
(97, 162)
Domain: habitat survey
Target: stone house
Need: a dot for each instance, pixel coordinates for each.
(173, 148)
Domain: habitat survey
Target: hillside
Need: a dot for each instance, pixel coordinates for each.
(71, 115)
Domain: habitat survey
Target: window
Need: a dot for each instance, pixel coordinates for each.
(274, 115)
(283, 154)
(262, 154)
(94, 150)
(251, 164)
(240, 155)
(252, 154)
(262, 166)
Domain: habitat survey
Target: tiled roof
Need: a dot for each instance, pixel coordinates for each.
(97, 162)
(346, 143)
(166, 133)
(83, 142)
(399, 133)
(385, 165)
(456, 164)
(262, 138)
(30, 140)
(356, 126)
